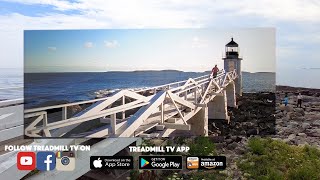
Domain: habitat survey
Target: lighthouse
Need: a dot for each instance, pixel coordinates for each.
(232, 61)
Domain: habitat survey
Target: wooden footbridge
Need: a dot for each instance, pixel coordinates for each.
(183, 107)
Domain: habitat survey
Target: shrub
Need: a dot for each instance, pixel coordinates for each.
(270, 159)
(202, 146)
(256, 146)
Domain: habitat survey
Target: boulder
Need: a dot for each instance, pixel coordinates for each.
(228, 141)
(74, 109)
(286, 140)
(312, 116)
(217, 139)
(293, 124)
(316, 123)
(291, 137)
(239, 150)
(287, 108)
(232, 146)
(317, 109)
(250, 132)
(299, 110)
(301, 118)
(313, 132)
(305, 125)
(294, 115)
(302, 135)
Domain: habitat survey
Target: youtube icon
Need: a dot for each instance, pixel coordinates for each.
(26, 161)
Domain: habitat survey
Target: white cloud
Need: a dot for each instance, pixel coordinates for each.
(58, 4)
(88, 44)
(111, 44)
(99, 14)
(52, 48)
(198, 43)
(185, 11)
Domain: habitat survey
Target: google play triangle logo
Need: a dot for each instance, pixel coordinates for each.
(143, 163)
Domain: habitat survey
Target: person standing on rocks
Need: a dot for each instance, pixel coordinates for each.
(286, 100)
(299, 100)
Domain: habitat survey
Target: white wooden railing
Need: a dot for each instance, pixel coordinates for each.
(173, 95)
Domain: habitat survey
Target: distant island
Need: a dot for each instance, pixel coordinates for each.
(167, 70)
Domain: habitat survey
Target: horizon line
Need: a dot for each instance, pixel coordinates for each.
(142, 71)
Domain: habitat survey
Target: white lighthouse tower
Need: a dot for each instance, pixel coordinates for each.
(233, 61)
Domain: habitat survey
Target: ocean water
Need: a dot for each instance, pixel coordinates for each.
(11, 83)
(308, 78)
(258, 82)
(71, 87)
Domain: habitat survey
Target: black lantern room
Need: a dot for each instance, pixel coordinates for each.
(232, 49)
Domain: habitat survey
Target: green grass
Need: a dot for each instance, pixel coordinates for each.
(270, 159)
(208, 175)
(199, 175)
(202, 146)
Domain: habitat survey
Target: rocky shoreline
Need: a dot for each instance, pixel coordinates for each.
(255, 115)
(264, 115)
(296, 125)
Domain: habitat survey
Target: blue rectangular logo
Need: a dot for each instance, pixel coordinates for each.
(46, 161)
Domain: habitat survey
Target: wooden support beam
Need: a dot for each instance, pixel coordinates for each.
(206, 92)
(35, 114)
(201, 105)
(178, 126)
(77, 120)
(160, 127)
(64, 113)
(181, 101)
(45, 120)
(141, 115)
(123, 103)
(195, 95)
(32, 126)
(172, 120)
(113, 123)
(216, 94)
(47, 133)
(175, 105)
(144, 135)
(162, 113)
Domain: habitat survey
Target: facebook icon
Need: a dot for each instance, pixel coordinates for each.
(46, 161)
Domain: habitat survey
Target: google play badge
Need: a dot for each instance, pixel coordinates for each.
(143, 163)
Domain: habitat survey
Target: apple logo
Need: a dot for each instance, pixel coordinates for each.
(97, 163)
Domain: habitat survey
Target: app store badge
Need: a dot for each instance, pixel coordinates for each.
(111, 162)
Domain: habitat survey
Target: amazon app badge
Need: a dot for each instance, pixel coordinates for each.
(212, 162)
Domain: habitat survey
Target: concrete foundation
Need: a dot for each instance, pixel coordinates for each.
(199, 123)
(218, 107)
(231, 95)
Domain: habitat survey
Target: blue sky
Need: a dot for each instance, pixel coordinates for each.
(145, 49)
(297, 23)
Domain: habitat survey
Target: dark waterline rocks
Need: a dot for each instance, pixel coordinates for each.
(254, 116)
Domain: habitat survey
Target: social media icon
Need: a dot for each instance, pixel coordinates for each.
(46, 161)
(97, 163)
(143, 162)
(192, 162)
(26, 160)
(65, 161)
